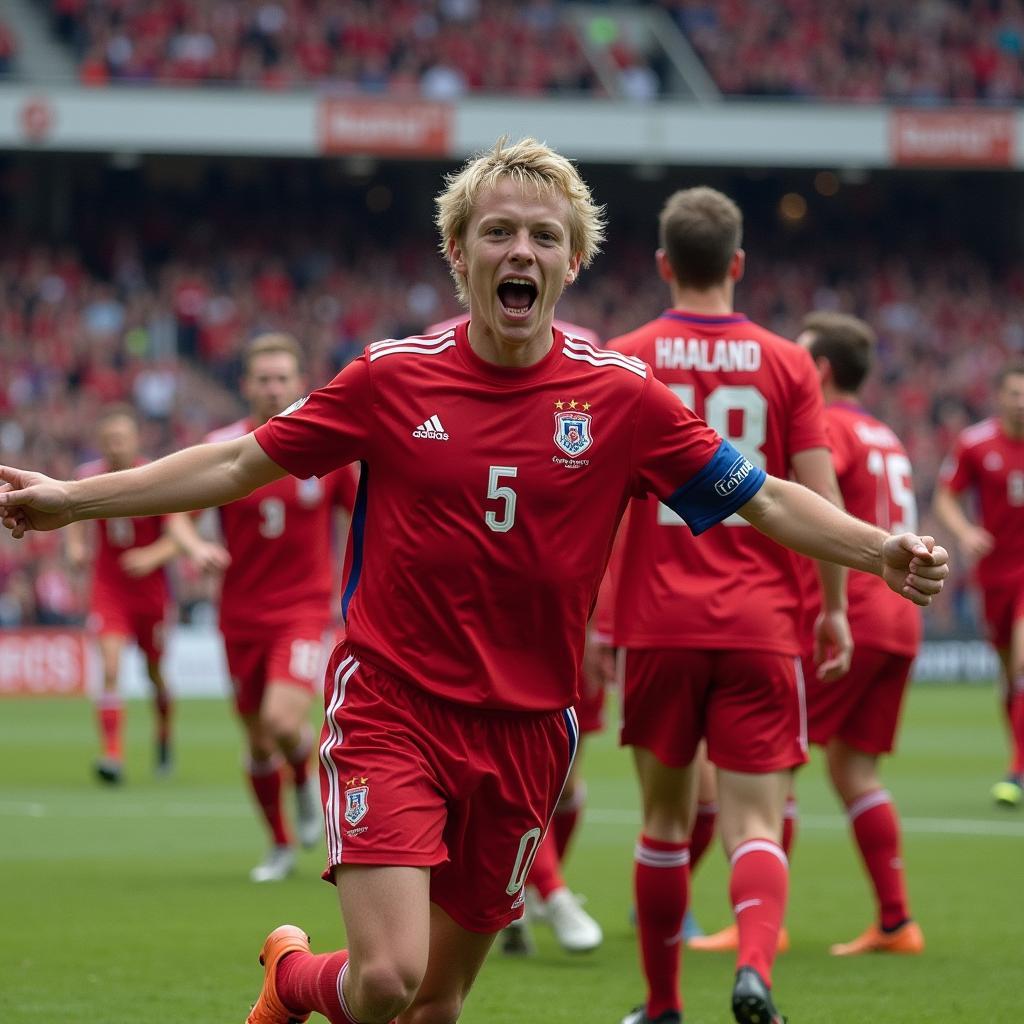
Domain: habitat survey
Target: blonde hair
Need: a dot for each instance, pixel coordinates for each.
(525, 161)
(272, 341)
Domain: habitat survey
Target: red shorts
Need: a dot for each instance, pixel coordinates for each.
(1003, 607)
(863, 707)
(408, 778)
(749, 706)
(145, 625)
(294, 655)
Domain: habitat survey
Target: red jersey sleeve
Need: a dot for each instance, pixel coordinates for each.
(842, 445)
(958, 470)
(679, 459)
(807, 408)
(326, 430)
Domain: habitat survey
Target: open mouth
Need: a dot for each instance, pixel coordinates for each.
(517, 296)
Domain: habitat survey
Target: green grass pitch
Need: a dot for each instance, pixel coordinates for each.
(132, 906)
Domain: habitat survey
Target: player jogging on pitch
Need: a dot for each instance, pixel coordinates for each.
(128, 595)
(474, 562)
(989, 461)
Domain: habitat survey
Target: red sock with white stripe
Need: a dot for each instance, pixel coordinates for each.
(109, 718)
(265, 781)
(876, 828)
(299, 757)
(566, 818)
(790, 820)
(545, 875)
(662, 884)
(307, 981)
(758, 887)
(1017, 727)
(702, 833)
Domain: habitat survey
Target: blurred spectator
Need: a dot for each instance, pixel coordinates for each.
(8, 49)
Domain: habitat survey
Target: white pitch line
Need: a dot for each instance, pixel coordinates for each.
(834, 823)
(595, 816)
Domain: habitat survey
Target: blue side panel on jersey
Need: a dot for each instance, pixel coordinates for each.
(358, 530)
(727, 482)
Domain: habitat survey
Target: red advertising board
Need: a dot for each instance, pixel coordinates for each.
(952, 138)
(38, 662)
(384, 127)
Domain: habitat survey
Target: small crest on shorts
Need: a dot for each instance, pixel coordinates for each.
(572, 432)
(356, 804)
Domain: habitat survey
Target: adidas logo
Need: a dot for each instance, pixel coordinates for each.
(431, 429)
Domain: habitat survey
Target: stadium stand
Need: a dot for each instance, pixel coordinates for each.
(859, 50)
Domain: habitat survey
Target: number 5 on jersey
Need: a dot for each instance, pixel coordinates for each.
(503, 521)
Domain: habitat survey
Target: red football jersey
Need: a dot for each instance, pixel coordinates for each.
(488, 500)
(989, 462)
(145, 594)
(733, 589)
(875, 479)
(279, 539)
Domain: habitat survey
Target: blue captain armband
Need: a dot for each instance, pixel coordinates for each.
(726, 483)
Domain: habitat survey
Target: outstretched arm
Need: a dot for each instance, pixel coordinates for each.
(912, 566)
(200, 477)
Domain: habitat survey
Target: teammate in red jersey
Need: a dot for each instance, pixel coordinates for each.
(710, 628)
(475, 555)
(988, 463)
(856, 720)
(128, 596)
(276, 607)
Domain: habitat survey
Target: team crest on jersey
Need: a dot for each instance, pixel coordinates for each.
(356, 804)
(572, 432)
(309, 491)
(993, 462)
(295, 406)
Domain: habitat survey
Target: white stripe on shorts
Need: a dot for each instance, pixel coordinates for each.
(333, 738)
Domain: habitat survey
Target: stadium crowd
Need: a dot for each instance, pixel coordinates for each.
(960, 50)
(860, 50)
(439, 49)
(166, 334)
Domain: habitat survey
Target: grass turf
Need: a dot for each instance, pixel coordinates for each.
(132, 906)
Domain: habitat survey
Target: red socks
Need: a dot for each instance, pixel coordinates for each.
(662, 883)
(109, 716)
(545, 875)
(265, 780)
(758, 887)
(163, 705)
(702, 833)
(877, 831)
(566, 818)
(790, 819)
(314, 982)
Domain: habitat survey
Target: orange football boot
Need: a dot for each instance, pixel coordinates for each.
(907, 939)
(269, 1009)
(728, 939)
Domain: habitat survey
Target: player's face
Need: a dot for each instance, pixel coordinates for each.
(516, 258)
(119, 441)
(271, 384)
(1011, 404)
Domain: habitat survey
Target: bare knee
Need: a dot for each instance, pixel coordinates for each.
(381, 990)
